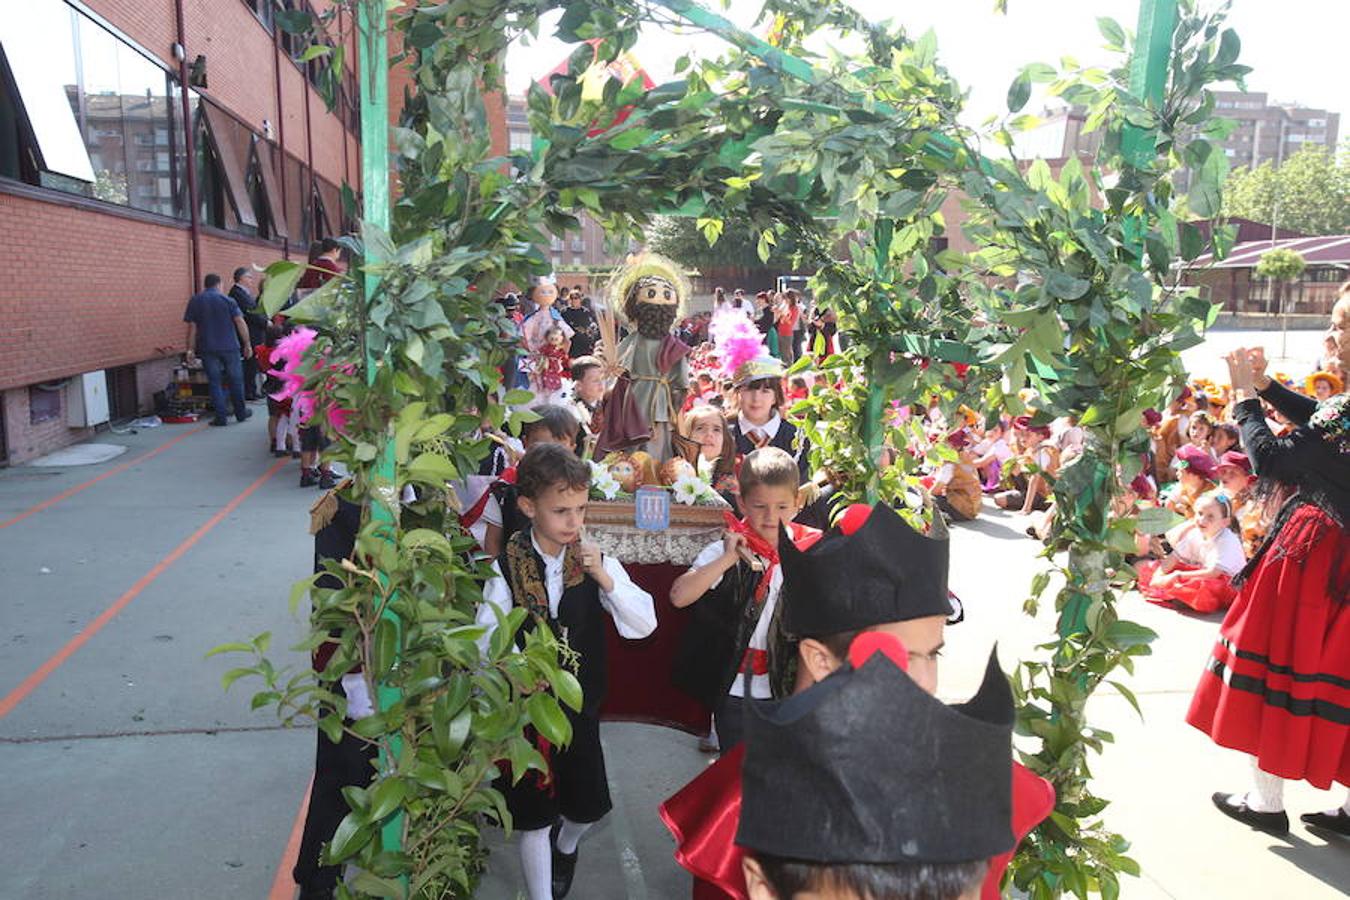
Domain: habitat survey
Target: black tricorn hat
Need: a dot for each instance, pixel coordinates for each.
(868, 767)
(884, 571)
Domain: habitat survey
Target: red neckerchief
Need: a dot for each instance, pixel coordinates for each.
(802, 537)
(470, 517)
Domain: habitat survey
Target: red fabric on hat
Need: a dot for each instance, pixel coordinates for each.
(870, 643)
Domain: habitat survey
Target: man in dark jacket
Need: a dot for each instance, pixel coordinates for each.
(215, 330)
(242, 294)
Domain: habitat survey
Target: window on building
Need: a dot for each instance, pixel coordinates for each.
(299, 198)
(41, 78)
(264, 10)
(327, 209)
(91, 110)
(1316, 123)
(44, 403)
(224, 148)
(269, 189)
(521, 141)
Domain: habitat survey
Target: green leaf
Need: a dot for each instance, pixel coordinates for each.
(1128, 695)
(233, 647)
(1111, 30)
(568, 689)
(547, 716)
(282, 277)
(368, 884)
(1130, 634)
(386, 797)
(1066, 286)
(432, 468)
(1158, 520)
(314, 51)
(384, 647)
(234, 675)
(630, 139)
(1192, 241)
(1019, 92)
(352, 834)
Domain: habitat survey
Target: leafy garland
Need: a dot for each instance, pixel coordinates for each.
(864, 154)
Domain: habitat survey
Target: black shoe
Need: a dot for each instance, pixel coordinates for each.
(280, 453)
(564, 865)
(1338, 822)
(327, 480)
(219, 422)
(308, 477)
(1270, 823)
(247, 414)
(295, 454)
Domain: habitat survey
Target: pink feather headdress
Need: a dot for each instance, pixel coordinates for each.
(737, 339)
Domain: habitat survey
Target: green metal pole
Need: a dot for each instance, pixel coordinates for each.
(372, 30)
(1148, 73)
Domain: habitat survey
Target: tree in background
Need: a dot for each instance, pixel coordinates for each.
(1282, 267)
(1310, 192)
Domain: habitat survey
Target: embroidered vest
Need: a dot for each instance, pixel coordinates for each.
(580, 622)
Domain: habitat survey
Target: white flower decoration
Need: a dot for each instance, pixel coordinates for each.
(690, 489)
(603, 484)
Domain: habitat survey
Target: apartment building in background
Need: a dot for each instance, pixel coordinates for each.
(1264, 131)
(114, 115)
(1271, 131)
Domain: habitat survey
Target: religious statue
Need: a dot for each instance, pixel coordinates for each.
(654, 371)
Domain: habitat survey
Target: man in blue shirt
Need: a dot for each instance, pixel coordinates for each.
(216, 331)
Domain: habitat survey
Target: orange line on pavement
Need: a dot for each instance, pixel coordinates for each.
(93, 481)
(283, 883)
(16, 696)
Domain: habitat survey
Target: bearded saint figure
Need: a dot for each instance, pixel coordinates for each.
(650, 290)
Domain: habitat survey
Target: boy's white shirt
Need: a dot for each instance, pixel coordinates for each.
(628, 605)
(759, 638)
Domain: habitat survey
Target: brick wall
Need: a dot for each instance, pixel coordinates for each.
(150, 23)
(27, 441)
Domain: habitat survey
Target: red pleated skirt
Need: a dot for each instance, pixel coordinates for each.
(1204, 595)
(1278, 683)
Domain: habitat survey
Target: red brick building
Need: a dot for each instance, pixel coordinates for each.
(101, 157)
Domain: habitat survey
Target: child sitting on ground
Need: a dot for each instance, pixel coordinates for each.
(1201, 433)
(735, 583)
(1206, 554)
(1196, 470)
(1031, 470)
(956, 485)
(568, 586)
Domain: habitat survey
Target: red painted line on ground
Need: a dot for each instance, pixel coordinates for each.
(95, 480)
(16, 696)
(283, 884)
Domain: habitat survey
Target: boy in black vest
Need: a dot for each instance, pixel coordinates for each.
(568, 585)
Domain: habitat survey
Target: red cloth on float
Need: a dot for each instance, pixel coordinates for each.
(704, 815)
(640, 688)
(1205, 595)
(1278, 683)
(639, 671)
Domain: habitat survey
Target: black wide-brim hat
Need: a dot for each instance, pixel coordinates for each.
(884, 571)
(867, 767)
